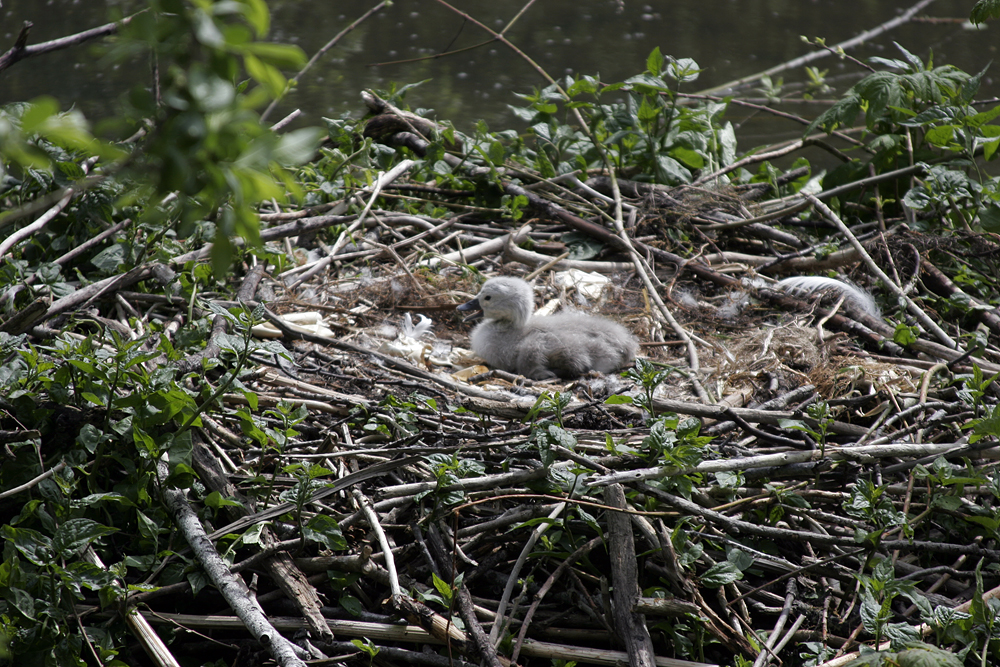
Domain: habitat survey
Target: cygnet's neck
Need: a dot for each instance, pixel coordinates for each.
(514, 319)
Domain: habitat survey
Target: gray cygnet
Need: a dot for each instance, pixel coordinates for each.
(541, 347)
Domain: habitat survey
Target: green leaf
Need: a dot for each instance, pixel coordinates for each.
(35, 546)
(257, 15)
(298, 146)
(282, 56)
(904, 335)
(496, 154)
(266, 75)
(618, 399)
(984, 10)
(22, 600)
(215, 500)
(562, 437)
(793, 425)
(181, 476)
(727, 144)
(689, 157)
(721, 574)
(654, 63)
(741, 559)
(989, 218)
(581, 86)
(582, 246)
(924, 655)
(670, 171)
(941, 135)
(902, 633)
(729, 480)
(647, 112)
(989, 523)
(90, 437)
(990, 140)
(352, 605)
(212, 93)
(206, 31)
(111, 258)
(91, 576)
(442, 586)
(252, 399)
(37, 113)
(75, 534)
(948, 503)
(980, 119)
(645, 83)
(683, 70)
(326, 531)
(988, 426)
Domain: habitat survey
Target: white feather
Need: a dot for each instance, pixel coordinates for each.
(418, 330)
(810, 286)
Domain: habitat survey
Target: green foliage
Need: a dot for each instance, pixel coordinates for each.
(870, 503)
(818, 425)
(204, 156)
(915, 112)
(877, 594)
(984, 10)
(888, 98)
(648, 135)
(727, 571)
(396, 417)
(973, 388)
(445, 591)
(648, 376)
(138, 414)
(368, 647)
(783, 501)
(675, 443)
(207, 143)
(983, 516)
(905, 335)
(815, 653)
(985, 426)
(546, 402)
(911, 654)
(448, 470)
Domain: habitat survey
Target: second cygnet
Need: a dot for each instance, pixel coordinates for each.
(539, 347)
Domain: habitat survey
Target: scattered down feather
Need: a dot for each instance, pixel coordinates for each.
(564, 345)
(813, 286)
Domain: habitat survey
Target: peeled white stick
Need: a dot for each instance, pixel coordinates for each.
(26, 232)
(930, 324)
(230, 586)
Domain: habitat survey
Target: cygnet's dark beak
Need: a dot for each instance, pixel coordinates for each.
(474, 306)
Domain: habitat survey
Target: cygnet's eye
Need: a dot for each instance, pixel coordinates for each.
(487, 298)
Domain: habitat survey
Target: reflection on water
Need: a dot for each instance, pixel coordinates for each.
(403, 43)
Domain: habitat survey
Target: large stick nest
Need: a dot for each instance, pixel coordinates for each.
(489, 518)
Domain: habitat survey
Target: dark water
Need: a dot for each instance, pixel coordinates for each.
(729, 38)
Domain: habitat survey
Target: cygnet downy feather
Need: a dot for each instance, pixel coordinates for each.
(564, 345)
(809, 286)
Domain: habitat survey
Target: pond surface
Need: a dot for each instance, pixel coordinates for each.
(728, 38)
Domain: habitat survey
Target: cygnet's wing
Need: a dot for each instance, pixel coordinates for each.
(542, 354)
(574, 343)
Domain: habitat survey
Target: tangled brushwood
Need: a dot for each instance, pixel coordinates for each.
(242, 421)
